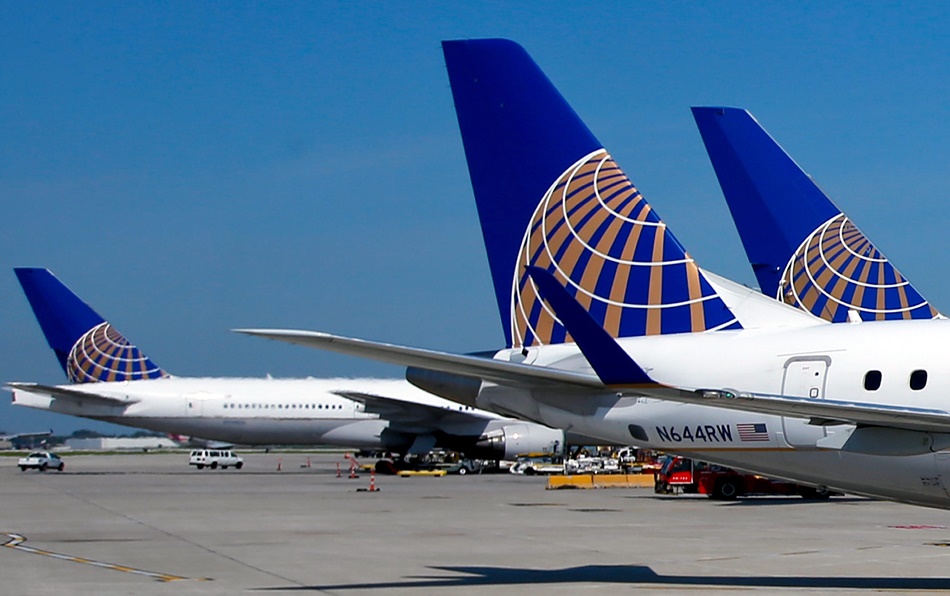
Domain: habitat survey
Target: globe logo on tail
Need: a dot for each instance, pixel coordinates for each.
(103, 354)
(605, 243)
(837, 269)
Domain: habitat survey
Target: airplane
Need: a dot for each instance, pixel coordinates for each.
(803, 249)
(614, 331)
(27, 440)
(114, 381)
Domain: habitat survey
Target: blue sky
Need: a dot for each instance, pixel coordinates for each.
(189, 168)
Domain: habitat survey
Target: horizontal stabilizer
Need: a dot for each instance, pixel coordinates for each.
(76, 395)
(496, 371)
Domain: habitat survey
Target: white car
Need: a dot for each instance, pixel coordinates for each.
(42, 461)
(214, 458)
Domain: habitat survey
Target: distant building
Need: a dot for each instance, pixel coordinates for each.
(111, 443)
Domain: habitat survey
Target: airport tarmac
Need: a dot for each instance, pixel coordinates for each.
(130, 524)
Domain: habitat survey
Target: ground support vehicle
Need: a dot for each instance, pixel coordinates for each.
(683, 475)
(42, 461)
(533, 464)
(215, 458)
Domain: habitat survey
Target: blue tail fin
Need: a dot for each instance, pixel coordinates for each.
(550, 196)
(803, 249)
(87, 347)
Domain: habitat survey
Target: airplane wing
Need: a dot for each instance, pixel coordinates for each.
(617, 371)
(621, 374)
(65, 393)
(496, 371)
(405, 413)
(32, 435)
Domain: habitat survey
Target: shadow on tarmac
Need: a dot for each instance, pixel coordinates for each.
(632, 574)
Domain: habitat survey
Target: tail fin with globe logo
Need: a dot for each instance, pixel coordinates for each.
(550, 196)
(87, 347)
(803, 249)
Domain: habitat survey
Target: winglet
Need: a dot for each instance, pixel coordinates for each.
(611, 363)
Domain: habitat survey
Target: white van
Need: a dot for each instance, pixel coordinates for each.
(214, 458)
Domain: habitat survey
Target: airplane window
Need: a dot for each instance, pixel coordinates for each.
(872, 380)
(918, 380)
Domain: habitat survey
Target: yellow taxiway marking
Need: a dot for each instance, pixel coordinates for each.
(16, 541)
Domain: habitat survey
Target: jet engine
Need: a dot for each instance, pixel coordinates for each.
(507, 440)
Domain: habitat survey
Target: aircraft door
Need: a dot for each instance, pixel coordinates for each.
(194, 405)
(804, 377)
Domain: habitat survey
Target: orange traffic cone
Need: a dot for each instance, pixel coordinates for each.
(372, 484)
(372, 481)
(353, 470)
(308, 461)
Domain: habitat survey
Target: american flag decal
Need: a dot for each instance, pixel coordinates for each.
(753, 432)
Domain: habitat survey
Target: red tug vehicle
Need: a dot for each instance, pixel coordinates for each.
(683, 475)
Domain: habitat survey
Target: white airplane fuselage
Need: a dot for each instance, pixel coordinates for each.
(820, 361)
(262, 411)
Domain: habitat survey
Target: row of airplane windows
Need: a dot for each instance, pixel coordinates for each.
(240, 406)
(917, 381)
(233, 406)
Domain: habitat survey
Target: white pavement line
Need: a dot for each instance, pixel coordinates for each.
(16, 542)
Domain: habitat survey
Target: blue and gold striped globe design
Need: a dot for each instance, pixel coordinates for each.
(103, 354)
(837, 269)
(608, 247)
